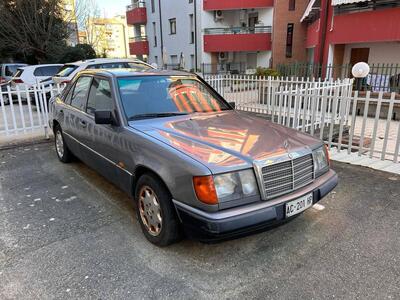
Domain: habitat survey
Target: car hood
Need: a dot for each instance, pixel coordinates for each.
(227, 140)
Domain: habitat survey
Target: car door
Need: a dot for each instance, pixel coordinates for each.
(106, 157)
(76, 119)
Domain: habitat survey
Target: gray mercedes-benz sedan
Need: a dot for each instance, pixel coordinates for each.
(191, 162)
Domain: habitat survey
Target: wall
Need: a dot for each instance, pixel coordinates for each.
(379, 52)
(173, 44)
(282, 16)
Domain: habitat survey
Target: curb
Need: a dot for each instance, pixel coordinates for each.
(26, 142)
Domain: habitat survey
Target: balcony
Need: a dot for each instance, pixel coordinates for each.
(136, 13)
(235, 39)
(236, 4)
(139, 45)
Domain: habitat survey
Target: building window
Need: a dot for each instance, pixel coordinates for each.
(155, 34)
(192, 63)
(153, 8)
(292, 4)
(174, 59)
(190, 1)
(156, 60)
(191, 38)
(172, 26)
(289, 40)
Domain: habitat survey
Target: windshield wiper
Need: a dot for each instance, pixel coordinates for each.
(156, 115)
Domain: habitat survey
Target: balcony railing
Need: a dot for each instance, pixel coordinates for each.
(238, 30)
(364, 6)
(137, 4)
(138, 39)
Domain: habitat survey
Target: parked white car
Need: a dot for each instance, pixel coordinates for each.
(27, 77)
(68, 71)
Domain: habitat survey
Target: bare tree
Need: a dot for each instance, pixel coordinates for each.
(86, 12)
(34, 28)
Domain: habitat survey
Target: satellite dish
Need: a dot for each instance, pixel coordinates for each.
(360, 70)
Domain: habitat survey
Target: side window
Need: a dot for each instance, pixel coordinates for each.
(67, 94)
(80, 92)
(100, 96)
(38, 71)
(50, 70)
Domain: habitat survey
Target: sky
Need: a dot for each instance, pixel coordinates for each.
(110, 8)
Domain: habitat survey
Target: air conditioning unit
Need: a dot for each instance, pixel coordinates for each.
(218, 15)
(222, 56)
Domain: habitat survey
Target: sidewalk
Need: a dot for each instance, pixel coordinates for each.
(32, 137)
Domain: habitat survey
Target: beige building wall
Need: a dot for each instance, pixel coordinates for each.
(109, 36)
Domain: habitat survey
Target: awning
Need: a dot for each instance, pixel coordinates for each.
(308, 10)
(340, 2)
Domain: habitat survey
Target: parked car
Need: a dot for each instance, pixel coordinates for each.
(29, 76)
(186, 156)
(7, 71)
(68, 71)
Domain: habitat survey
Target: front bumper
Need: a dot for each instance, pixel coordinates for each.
(238, 221)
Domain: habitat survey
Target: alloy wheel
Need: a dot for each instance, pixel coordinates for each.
(150, 210)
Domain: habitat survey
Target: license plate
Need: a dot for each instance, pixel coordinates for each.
(297, 206)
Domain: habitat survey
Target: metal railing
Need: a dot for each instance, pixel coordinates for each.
(360, 123)
(137, 4)
(238, 30)
(382, 77)
(138, 39)
(24, 109)
(366, 6)
(224, 68)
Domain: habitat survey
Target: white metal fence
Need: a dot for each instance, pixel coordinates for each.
(25, 109)
(367, 123)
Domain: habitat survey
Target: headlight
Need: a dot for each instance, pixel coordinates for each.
(236, 185)
(321, 161)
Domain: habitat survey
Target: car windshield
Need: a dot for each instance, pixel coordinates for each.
(66, 70)
(163, 96)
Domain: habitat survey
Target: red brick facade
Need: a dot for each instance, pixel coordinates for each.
(282, 17)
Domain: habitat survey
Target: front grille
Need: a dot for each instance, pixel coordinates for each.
(287, 176)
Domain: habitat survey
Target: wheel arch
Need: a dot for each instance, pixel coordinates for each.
(140, 171)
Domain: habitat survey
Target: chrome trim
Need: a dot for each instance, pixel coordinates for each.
(258, 165)
(95, 152)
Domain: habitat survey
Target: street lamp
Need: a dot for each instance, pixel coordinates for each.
(360, 71)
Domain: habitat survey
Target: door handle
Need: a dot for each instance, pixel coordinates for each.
(83, 124)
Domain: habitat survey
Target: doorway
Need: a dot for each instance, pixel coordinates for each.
(358, 55)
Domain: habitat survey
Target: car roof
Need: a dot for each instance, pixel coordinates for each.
(14, 64)
(131, 73)
(37, 66)
(104, 60)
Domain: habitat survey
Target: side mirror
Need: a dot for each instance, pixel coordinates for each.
(104, 117)
(232, 104)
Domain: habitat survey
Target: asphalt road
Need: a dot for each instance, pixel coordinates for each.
(66, 233)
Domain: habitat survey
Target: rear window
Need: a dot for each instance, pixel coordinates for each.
(66, 70)
(121, 65)
(46, 71)
(12, 69)
(19, 73)
(116, 65)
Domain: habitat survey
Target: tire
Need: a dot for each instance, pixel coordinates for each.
(155, 211)
(63, 153)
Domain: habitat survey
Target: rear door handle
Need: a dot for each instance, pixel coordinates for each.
(83, 124)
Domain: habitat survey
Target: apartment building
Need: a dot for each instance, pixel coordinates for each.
(70, 18)
(108, 36)
(209, 35)
(349, 31)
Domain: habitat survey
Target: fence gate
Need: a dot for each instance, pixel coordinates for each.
(24, 109)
